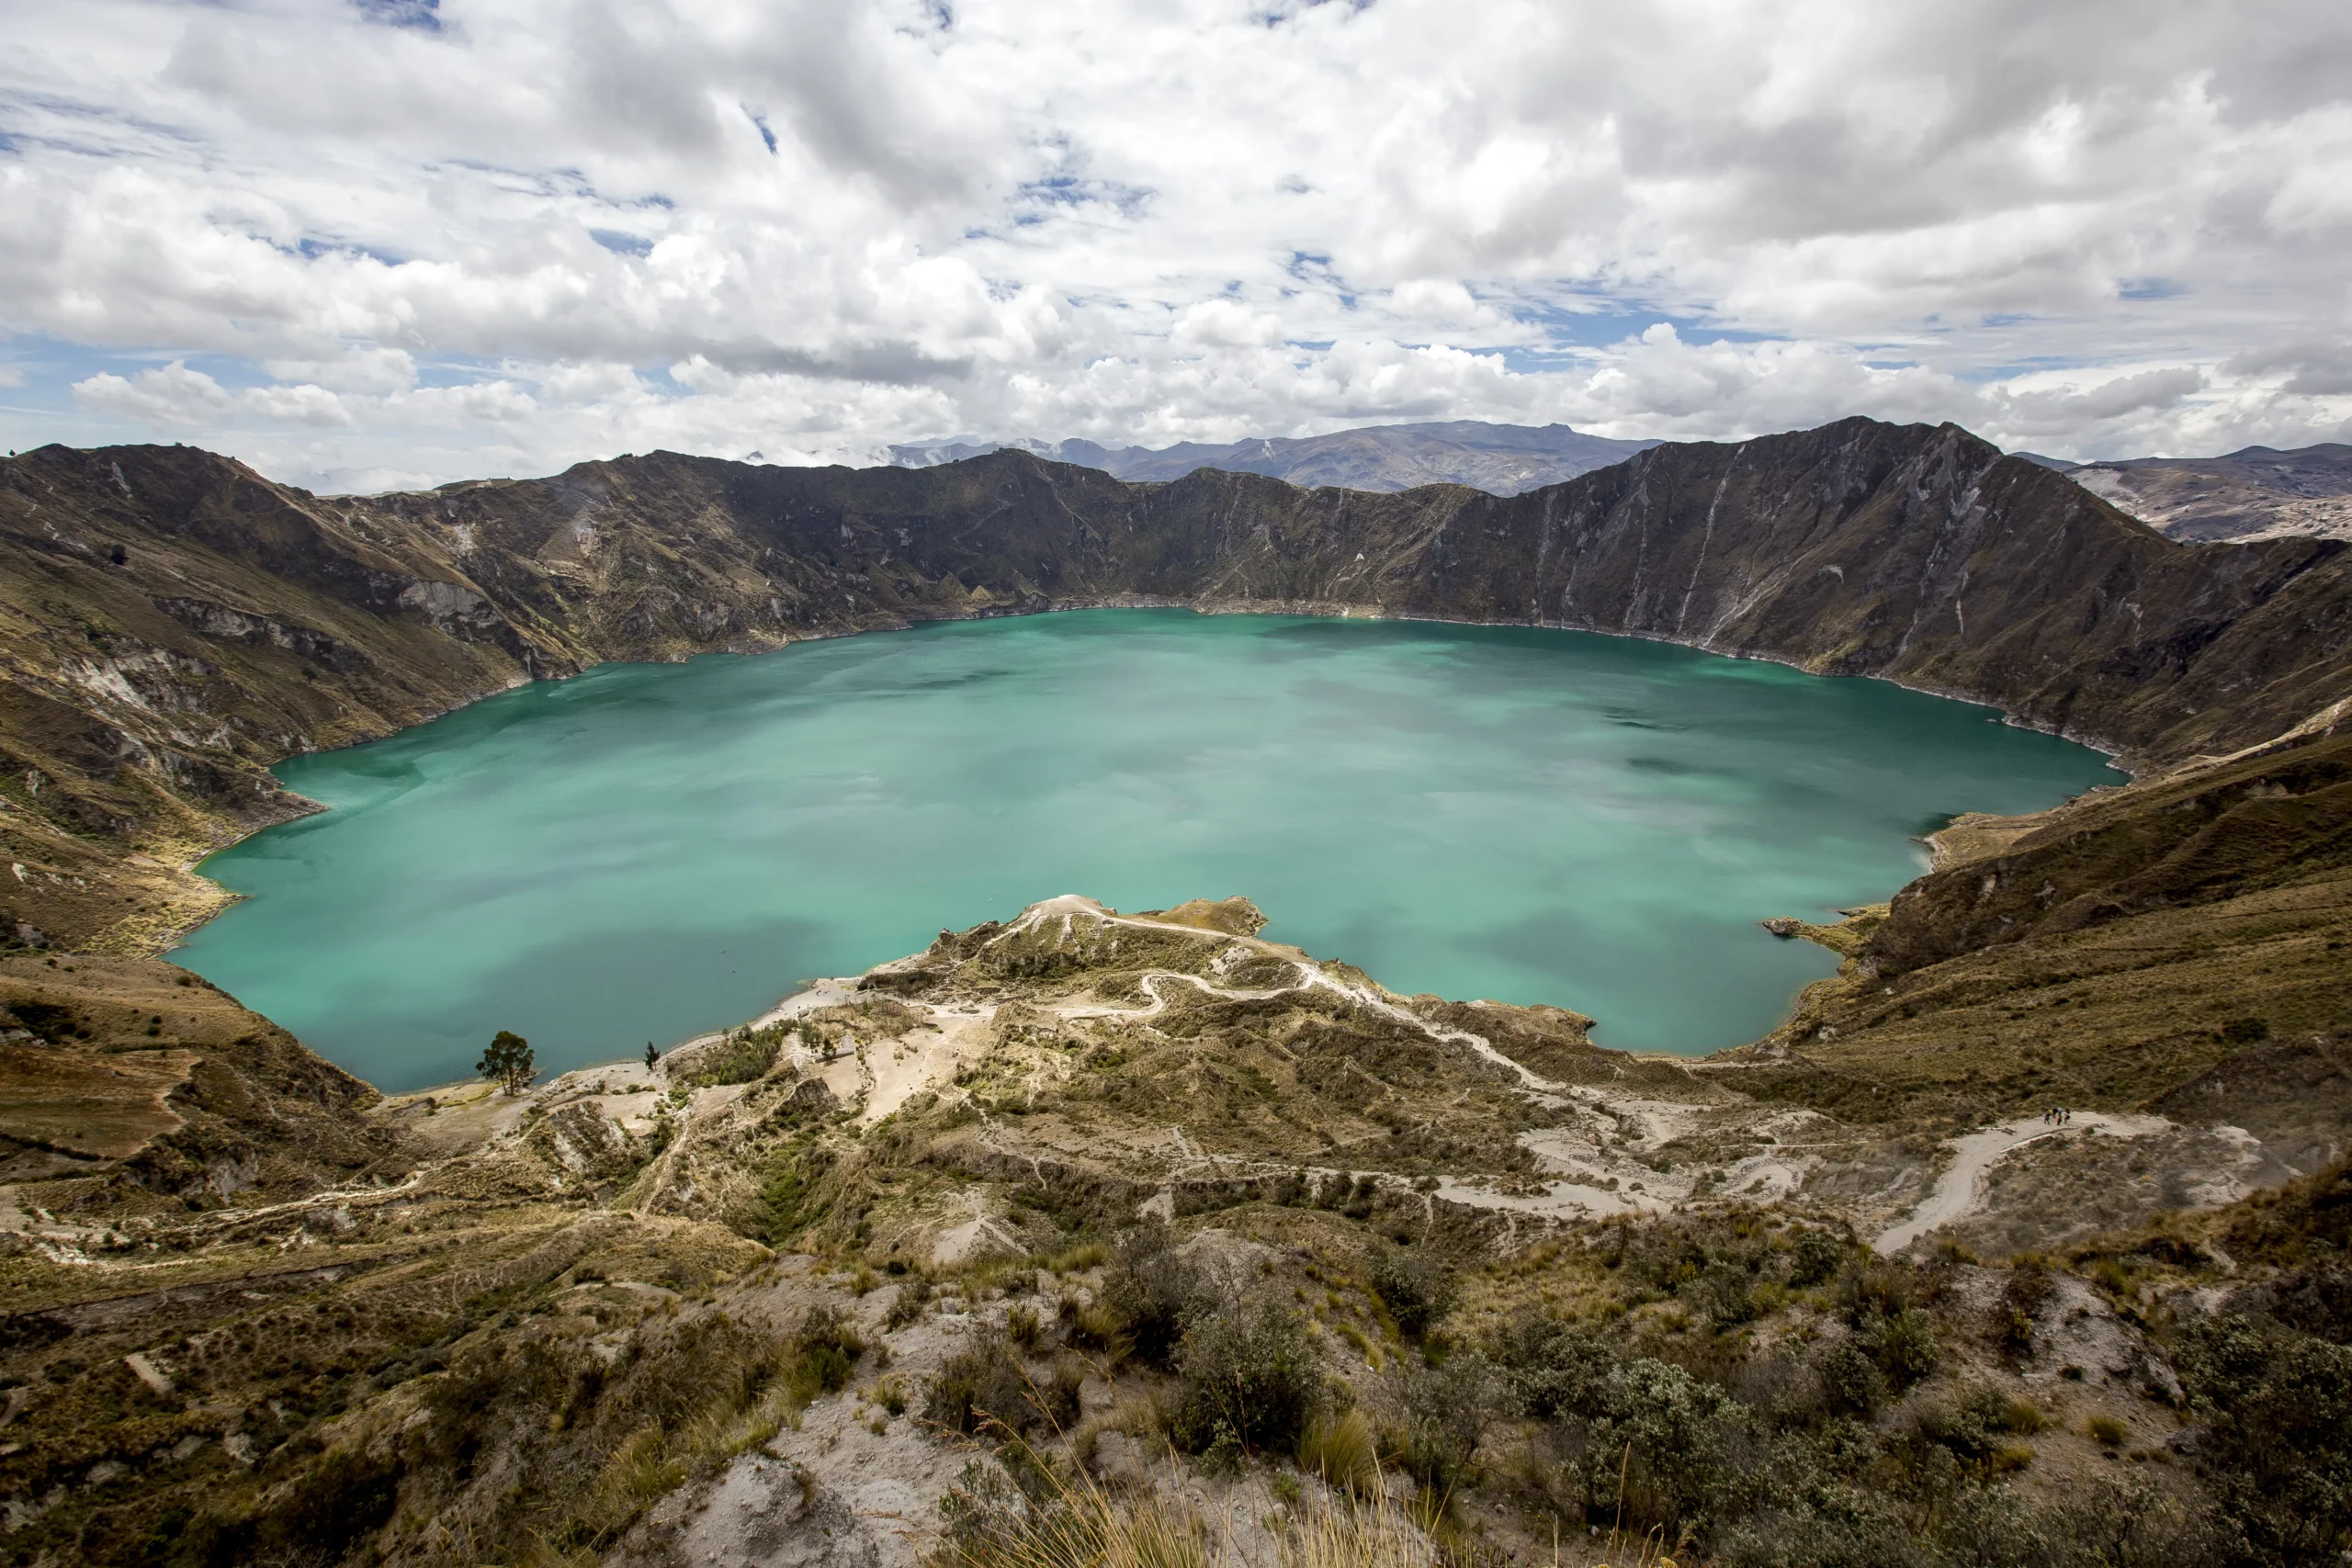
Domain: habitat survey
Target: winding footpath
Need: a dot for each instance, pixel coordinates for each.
(1960, 1190)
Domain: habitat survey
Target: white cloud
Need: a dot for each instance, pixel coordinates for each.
(172, 396)
(813, 227)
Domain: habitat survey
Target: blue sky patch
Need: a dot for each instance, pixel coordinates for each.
(423, 15)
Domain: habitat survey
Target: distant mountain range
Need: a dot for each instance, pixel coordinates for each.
(1502, 460)
(2256, 493)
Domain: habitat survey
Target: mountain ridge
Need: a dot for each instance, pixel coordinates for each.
(1502, 460)
(2256, 493)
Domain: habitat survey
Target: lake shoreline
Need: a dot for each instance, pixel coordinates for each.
(1642, 1043)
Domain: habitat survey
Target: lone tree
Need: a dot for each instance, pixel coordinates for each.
(509, 1061)
(652, 1057)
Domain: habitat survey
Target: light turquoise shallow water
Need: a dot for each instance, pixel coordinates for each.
(650, 850)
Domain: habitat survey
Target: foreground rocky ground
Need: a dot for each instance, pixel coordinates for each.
(1094, 1223)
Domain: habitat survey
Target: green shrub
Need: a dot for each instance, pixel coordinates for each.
(1973, 1427)
(1904, 1345)
(1785, 1389)
(2278, 1445)
(824, 1351)
(1152, 1290)
(1726, 1293)
(1417, 1289)
(744, 1056)
(1549, 1369)
(1059, 1399)
(789, 1199)
(2094, 1524)
(908, 1303)
(1867, 1291)
(1446, 1409)
(979, 1389)
(2024, 1295)
(1816, 1256)
(1852, 1383)
(1658, 1441)
(984, 1390)
(1246, 1376)
(1842, 1529)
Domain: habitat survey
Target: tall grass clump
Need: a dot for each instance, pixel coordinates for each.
(1343, 1451)
(1057, 1521)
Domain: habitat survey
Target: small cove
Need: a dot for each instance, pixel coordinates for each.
(649, 851)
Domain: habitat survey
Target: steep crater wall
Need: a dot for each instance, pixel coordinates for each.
(174, 623)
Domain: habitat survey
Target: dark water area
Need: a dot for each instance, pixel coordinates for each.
(647, 852)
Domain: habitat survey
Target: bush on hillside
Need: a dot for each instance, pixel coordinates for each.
(1247, 1380)
(1816, 1256)
(2278, 1445)
(984, 1390)
(1416, 1288)
(825, 1351)
(1444, 1411)
(1152, 1290)
(741, 1057)
(1549, 1369)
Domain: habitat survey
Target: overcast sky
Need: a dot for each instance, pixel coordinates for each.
(375, 242)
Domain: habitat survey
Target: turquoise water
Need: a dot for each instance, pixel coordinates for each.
(650, 850)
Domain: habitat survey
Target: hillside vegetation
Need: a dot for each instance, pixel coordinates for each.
(1093, 1226)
